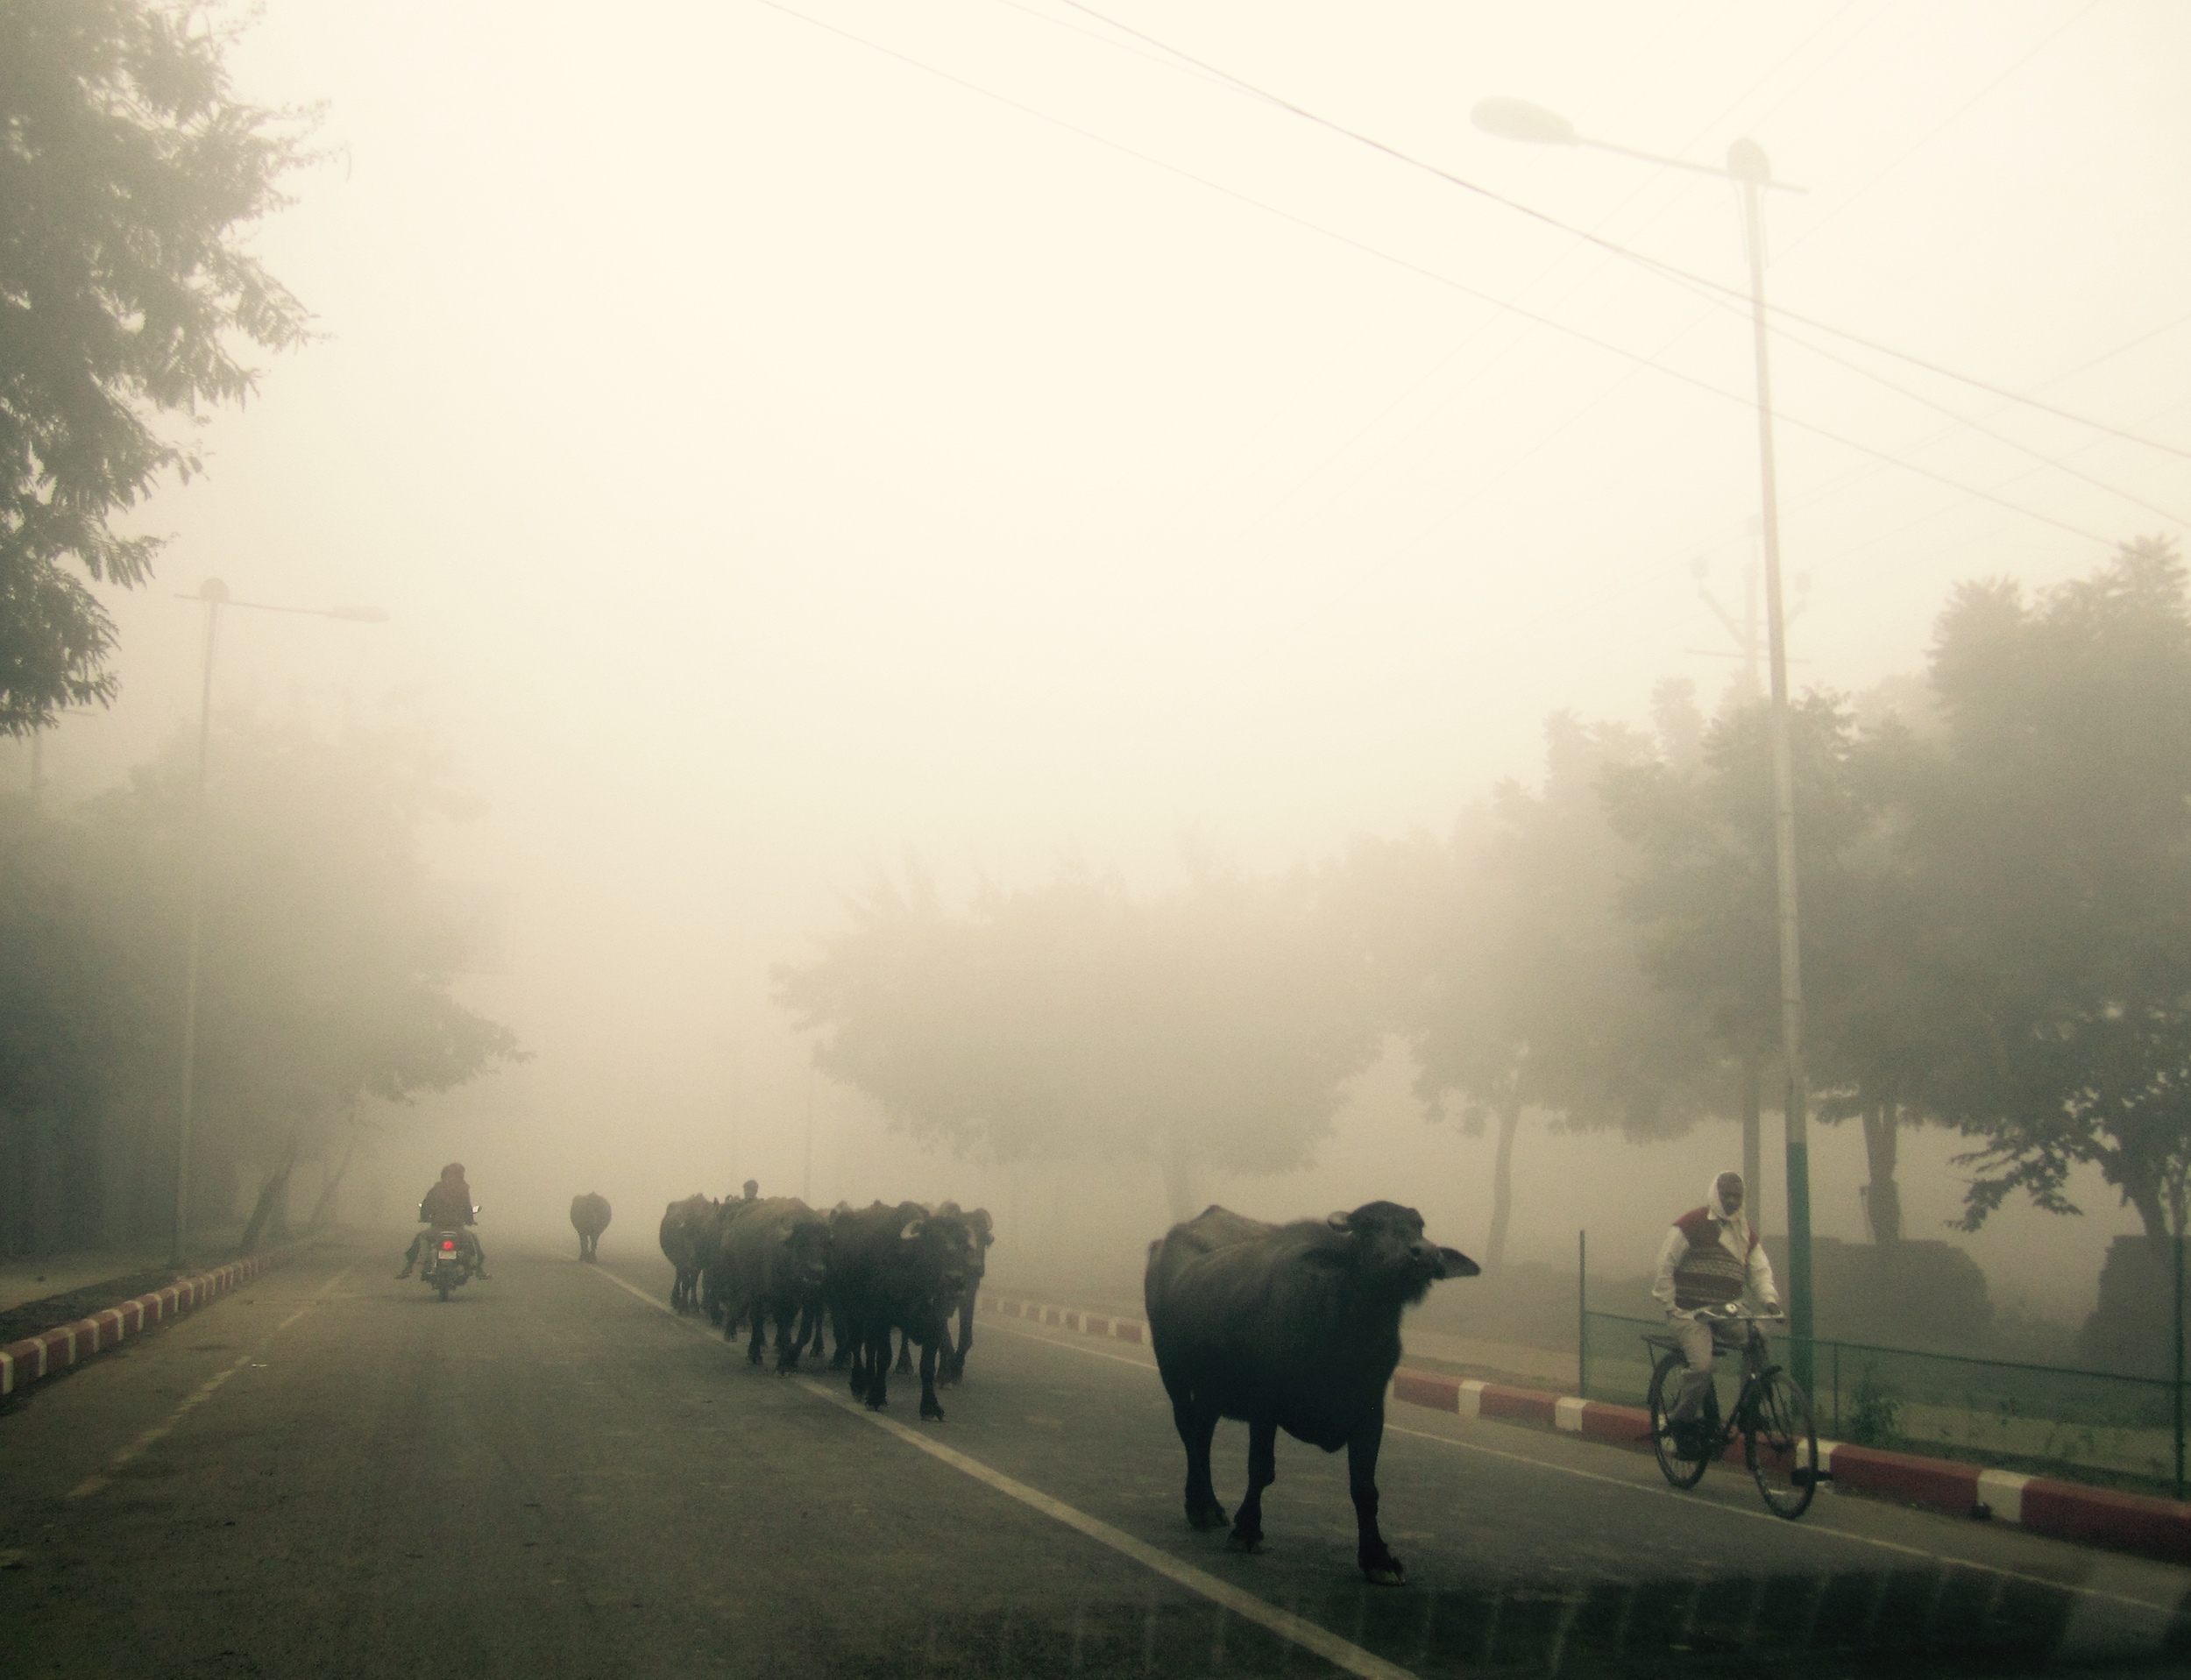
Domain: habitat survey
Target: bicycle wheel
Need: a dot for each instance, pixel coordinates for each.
(1682, 1472)
(1781, 1445)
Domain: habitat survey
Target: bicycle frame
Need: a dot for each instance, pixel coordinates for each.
(1769, 1409)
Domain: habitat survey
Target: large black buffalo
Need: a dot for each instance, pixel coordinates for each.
(770, 1260)
(900, 1268)
(589, 1217)
(952, 1364)
(1288, 1327)
(688, 1229)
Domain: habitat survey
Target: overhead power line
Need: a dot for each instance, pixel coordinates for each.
(1447, 281)
(1732, 296)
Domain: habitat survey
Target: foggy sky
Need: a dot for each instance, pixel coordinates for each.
(778, 459)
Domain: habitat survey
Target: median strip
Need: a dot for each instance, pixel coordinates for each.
(2092, 1516)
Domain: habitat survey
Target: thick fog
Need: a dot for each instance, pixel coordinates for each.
(793, 440)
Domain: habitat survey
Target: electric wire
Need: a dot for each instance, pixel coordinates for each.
(1944, 124)
(1781, 416)
(1734, 295)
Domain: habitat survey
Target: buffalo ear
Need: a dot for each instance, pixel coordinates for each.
(913, 1227)
(1341, 1222)
(1454, 1264)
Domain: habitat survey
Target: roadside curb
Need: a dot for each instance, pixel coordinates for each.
(36, 1358)
(2092, 1516)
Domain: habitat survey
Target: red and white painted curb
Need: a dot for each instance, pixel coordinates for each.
(2092, 1516)
(37, 1357)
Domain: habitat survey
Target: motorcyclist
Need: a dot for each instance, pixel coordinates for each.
(447, 1206)
(1711, 1259)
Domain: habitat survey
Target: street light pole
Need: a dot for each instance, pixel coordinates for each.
(215, 596)
(1747, 166)
(1746, 162)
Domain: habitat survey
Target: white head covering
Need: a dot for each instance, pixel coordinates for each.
(1719, 1210)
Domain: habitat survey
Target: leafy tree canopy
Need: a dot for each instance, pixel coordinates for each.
(2049, 845)
(129, 171)
(1216, 1024)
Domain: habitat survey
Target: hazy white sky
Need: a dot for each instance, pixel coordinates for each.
(784, 436)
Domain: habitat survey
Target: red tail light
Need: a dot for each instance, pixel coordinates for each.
(447, 1246)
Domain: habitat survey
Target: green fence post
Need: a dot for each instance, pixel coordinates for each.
(2179, 1341)
(1582, 1340)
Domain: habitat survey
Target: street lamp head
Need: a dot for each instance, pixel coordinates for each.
(358, 615)
(213, 590)
(1517, 119)
(1746, 162)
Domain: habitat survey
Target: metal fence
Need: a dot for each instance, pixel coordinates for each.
(2087, 1423)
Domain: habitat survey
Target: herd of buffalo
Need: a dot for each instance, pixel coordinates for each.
(1293, 1327)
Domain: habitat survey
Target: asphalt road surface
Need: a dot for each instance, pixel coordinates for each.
(331, 1473)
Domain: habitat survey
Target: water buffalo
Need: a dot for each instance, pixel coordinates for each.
(771, 1259)
(686, 1228)
(1288, 1327)
(589, 1217)
(951, 1366)
(902, 1269)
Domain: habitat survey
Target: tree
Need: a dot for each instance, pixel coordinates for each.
(1526, 989)
(2051, 842)
(128, 171)
(1703, 897)
(326, 972)
(1215, 1025)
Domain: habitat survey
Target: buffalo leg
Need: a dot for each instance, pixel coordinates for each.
(1247, 1525)
(954, 1355)
(857, 1361)
(930, 1406)
(1378, 1565)
(878, 1357)
(842, 1357)
(904, 1366)
(758, 1341)
(790, 1337)
(1196, 1425)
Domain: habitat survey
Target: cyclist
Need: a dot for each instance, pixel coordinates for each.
(1711, 1259)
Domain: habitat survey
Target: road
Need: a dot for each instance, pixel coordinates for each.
(331, 1473)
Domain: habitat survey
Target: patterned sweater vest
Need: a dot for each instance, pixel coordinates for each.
(1708, 1275)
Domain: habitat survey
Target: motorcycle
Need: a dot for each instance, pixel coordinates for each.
(448, 1262)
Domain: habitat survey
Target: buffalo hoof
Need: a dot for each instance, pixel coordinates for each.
(931, 1410)
(875, 1405)
(1208, 1516)
(1384, 1571)
(1237, 1541)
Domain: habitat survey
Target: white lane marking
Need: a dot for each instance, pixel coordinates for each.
(1689, 1500)
(198, 1396)
(1340, 1654)
(1148, 1366)
(1803, 1528)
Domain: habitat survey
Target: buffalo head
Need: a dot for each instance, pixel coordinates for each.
(1386, 1241)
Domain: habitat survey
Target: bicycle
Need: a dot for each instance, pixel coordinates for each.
(1772, 1415)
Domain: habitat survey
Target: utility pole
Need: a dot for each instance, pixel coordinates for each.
(1747, 633)
(214, 596)
(1746, 162)
(1747, 167)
